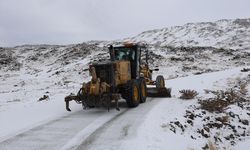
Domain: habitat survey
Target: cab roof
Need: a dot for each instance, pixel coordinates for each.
(128, 45)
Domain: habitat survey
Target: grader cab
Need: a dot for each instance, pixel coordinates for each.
(126, 74)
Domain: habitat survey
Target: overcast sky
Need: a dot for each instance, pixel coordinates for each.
(75, 21)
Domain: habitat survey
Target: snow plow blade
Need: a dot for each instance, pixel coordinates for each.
(158, 92)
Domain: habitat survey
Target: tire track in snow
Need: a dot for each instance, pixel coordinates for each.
(80, 129)
(65, 130)
(112, 134)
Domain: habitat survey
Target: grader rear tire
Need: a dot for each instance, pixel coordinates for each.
(160, 82)
(143, 90)
(133, 93)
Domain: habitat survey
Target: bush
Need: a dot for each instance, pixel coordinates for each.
(188, 94)
(221, 100)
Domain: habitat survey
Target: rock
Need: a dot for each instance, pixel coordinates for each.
(199, 115)
(172, 128)
(204, 112)
(232, 126)
(231, 136)
(245, 122)
(206, 118)
(177, 123)
(192, 137)
(235, 131)
(45, 97)
(245, 70)
(204, 134)
(232, 142)
(190, 122)
(206, 147)
(198, 131)
(223, 119)
(191, 116)
(243, 134)
(231, 114)
(207, 129)
(217, 139)
(212, 125)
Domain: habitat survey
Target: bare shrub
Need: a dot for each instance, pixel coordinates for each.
(188, 94)
(45, 97)
(207, 91)
(211, 146)
(213, 105)
(243, 89)
(221, 100)
(223, 119)
(245, 70)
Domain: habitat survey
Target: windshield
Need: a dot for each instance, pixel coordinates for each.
(124, 54)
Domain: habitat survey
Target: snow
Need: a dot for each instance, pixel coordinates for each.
(205, 81)
(243, 145)
(87, 131)
(151, 136)
(151, 133)
(154, 134)
(56, 71)
(25, 116)
(218, 34)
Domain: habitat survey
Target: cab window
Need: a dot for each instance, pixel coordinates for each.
(124, 54)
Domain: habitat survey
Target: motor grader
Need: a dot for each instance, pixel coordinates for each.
(126, 74)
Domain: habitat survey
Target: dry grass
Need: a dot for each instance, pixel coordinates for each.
(221, 100)
(242, 89)
(45, 97)
(211, 146)
(245, 70)
(188, 94)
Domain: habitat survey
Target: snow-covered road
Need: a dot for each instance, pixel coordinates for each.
(80, 128)
(58, 133)
(113, 134)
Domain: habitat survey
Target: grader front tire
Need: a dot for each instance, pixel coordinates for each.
(133, 97)
(160, 82)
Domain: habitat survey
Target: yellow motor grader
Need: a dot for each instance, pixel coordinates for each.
(126, 74)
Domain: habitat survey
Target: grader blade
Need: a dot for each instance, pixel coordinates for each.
(158, 92)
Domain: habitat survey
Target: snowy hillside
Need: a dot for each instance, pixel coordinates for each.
(34, 71)
(233, 34)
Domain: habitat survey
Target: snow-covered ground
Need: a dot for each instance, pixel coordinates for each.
(150, 129)
(155, 132)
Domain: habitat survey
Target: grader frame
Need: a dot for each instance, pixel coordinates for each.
(124, 75)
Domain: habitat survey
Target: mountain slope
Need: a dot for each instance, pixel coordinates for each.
(234, 34)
